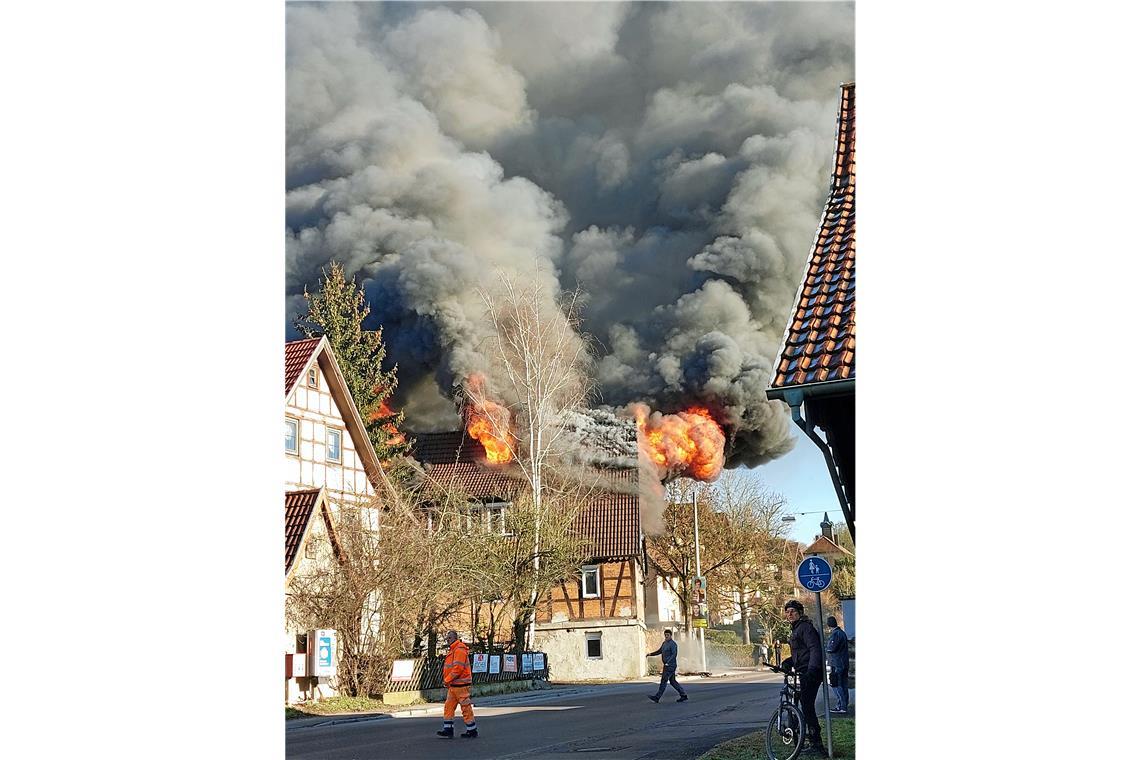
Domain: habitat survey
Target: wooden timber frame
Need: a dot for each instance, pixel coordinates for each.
(616, 589)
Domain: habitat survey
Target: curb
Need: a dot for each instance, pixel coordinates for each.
(332, 720)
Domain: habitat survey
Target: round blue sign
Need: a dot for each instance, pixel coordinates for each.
(814, 574)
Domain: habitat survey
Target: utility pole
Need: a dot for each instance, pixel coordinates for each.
(697, 542)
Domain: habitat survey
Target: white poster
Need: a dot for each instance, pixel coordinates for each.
(402, 670)
(494, 664)
(509, 665)
(528, 663)
(479, 662)
(539, 661)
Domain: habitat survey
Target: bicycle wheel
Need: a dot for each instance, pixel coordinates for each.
(785, 735)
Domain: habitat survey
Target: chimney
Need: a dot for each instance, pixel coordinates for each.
(826, 529)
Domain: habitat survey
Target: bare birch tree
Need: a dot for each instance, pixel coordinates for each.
(538, 370)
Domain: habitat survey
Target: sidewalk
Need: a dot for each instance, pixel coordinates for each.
(504, 700)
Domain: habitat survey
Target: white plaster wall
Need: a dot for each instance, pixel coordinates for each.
(316, 409)
(668, 604)
(623, 651)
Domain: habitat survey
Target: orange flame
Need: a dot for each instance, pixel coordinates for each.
(687, 443)
(395, 437)
(484, 418)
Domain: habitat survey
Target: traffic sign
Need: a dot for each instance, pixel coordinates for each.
(814, 574)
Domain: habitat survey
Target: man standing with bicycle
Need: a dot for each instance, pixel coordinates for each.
(807, 658)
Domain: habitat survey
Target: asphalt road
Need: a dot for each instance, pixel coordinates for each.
(603, 722)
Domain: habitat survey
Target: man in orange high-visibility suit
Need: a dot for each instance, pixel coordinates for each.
(457, 679)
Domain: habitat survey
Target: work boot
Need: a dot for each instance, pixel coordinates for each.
(683, 698)
(655, 698)
(470, 733)
(446, 733)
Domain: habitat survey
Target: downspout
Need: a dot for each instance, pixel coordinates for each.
(795, 400)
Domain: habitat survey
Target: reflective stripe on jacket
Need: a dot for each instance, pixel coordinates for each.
(457, 666)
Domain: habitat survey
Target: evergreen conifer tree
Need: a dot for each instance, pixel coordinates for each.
(337, 310)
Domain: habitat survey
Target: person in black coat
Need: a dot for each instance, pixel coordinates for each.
(807, 659)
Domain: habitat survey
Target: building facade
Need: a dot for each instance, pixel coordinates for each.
(328, 461)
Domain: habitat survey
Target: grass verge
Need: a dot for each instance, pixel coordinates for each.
(339, 705)
(751, 746)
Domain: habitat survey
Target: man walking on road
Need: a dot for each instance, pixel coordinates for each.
(457, 679)
(807, 658)
(837, 658)
(668, 652)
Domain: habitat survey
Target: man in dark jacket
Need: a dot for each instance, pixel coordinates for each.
(837, 658)
(668, 652)
(807, 658)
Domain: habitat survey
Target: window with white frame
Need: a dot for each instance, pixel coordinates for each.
(291, 426)
(313, 377)
(332, 445)
(495, 517)
(594, 645)
(590, 581)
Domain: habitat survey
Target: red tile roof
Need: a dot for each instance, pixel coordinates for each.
(298, 511)
(298, 353)
(613, 526)
(824, 545)
(456, 459)
(612, 522)
(820, 344)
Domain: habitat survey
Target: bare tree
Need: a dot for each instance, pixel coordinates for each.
(381, 578)
(505, 569)
(672, 553)
(538, 373)
(748, 539)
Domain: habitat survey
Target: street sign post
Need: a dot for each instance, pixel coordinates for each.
(814, 574)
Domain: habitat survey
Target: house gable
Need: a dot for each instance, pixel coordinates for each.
(317, 397)
(301, 517)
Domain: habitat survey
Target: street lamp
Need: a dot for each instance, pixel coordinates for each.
(697, 542)
(791, 516)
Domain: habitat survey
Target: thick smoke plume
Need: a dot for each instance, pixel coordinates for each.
(669, 159)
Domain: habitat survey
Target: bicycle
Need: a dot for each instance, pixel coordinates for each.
(784, 738)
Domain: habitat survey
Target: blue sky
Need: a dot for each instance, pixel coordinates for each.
(801, 475)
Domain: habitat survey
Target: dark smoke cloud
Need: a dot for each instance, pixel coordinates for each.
(670, 159)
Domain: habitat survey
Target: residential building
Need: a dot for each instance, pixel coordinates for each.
(591, 625)
(329, 460)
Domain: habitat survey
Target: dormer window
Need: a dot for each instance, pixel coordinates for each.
(312, 377)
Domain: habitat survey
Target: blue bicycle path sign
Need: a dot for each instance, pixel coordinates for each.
(814, 574)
